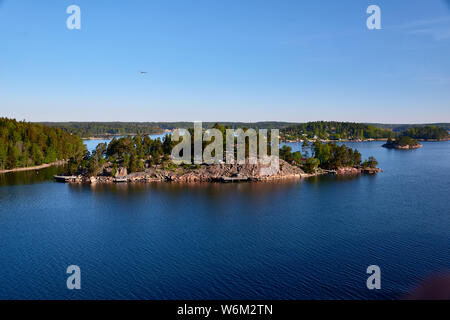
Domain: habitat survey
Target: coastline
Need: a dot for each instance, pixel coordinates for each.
(110, 136)
(213, 173)
(398, 147)
(328, 140)
(366, 140)
(42, 166)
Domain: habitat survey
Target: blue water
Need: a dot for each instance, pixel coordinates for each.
(310, 239)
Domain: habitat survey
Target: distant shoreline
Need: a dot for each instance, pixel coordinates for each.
(110, 136)
(341, 140)
(366, 140)
(42, 166)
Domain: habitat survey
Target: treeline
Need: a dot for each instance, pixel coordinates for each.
(403, 127)
(133, 153)
(427, 133)
(328, 156)
(333, 130)
(100, 129)
(24, 144)
(97, 129)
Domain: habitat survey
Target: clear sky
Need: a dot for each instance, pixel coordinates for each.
(226, 60)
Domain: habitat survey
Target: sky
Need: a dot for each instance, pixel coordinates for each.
(225, 60)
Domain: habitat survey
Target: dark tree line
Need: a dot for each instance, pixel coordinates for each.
(427, 132)
(24, 144)
(96, 129)
(334, 131)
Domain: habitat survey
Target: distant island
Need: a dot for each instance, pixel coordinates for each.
(408, 139)
(404, 143)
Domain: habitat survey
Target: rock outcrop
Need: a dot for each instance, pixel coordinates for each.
(212, 173)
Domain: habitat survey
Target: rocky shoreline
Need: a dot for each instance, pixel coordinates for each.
(399, 147)
(210, 173)
(329, 140)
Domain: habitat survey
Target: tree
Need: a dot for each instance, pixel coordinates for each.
(133, 165)
(305, 147)
(297, 157)
(311, 165)
(27, 144)
(405, 140)
(372, 163)
(286, 153)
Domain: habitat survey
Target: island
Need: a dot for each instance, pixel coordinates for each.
(403, 143)
(142, 159)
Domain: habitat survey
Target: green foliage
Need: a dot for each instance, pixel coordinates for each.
(404, 141)
(427, 132)
(172, 166)
(370, 163)
(93, 129)
(297, 157)
(286, 153)
(333, 156)
(334, 131)
(326, 156)
(24, 144)
(128, 152)
(311, 164)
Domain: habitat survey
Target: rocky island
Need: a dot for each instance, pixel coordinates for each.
(403, 143)
(208, 173)
(142, 159)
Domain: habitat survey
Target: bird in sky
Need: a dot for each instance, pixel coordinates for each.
(143, 72)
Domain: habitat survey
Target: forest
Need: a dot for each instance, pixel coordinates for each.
(24, 144)
(101, 129)
(427, 133)
(333, 130)
(330, 130)
(329, 156)
(133, 153)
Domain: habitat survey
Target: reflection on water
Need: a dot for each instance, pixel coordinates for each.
(205, 188)
(29, 177)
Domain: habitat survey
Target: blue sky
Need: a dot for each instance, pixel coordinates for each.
(246, 60)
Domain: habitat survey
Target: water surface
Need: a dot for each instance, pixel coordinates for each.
(310, 239)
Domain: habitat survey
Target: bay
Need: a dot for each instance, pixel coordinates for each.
(307, 239)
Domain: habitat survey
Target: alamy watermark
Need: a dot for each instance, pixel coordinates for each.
(213, 153)
(74, 20)
(374, 20)
(374, 281)
(74, 280)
